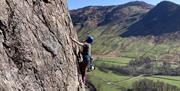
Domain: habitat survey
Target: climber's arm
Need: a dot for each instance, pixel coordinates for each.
(77, 42)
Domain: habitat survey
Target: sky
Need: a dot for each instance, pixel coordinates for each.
(75, 4)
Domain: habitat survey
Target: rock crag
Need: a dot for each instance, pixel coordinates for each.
(36, 53)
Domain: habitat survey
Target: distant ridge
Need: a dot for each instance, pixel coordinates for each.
(162, 19)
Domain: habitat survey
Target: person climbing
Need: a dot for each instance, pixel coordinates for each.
(86, 54)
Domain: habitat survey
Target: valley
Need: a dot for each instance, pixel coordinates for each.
(133, 42)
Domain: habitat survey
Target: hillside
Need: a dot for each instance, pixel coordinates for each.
(132, 29)
(104, 32)
(36, 53)
(133, 41)
(96, 16)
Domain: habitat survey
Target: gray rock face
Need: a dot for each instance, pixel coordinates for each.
(36, 53)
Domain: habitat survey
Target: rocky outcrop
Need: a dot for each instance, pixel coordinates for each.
(36, 53)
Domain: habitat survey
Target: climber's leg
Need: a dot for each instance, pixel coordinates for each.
(83, 66)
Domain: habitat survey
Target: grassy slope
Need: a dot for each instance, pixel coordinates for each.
(135, 48)
(108, 42)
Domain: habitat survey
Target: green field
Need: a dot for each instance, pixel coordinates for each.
(114, 61)
(107, 80)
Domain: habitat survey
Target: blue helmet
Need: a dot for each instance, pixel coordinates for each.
(89, 39)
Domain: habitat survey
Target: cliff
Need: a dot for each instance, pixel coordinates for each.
(36, 53)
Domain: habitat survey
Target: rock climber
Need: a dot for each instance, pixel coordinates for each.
(86, 54)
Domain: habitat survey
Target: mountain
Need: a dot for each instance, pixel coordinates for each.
(105, 23)
(132, 29)
(162, 19)
(36, 53)
(95, 16)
